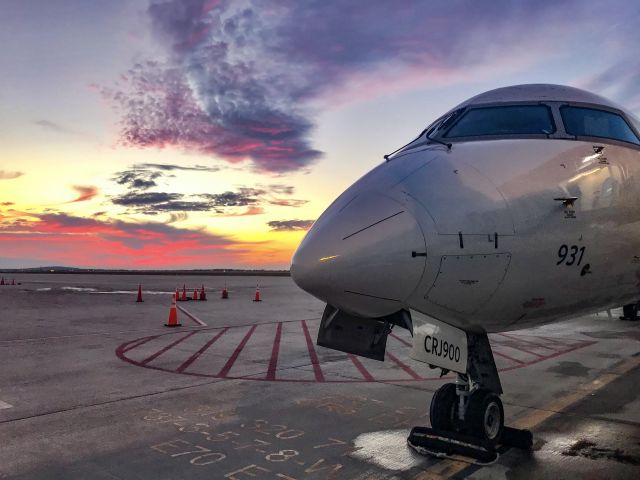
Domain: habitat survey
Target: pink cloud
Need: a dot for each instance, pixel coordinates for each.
(76, 241)
(84, 193)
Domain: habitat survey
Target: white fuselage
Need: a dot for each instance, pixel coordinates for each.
(502, 252)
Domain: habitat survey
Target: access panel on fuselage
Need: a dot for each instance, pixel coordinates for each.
(466, 282)
(472, 222)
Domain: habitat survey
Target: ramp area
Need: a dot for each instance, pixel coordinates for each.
(93, 386)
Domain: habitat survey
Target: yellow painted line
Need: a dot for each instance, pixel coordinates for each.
(537, 416)
(448, 468)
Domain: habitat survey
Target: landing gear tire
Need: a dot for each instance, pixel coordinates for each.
(484, 418)
(443, 407)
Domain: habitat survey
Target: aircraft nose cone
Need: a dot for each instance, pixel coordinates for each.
(360, 258)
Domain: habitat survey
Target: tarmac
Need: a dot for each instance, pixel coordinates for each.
(93, 386)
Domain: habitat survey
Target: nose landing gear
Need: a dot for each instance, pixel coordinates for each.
(472, 405)
(467, 417)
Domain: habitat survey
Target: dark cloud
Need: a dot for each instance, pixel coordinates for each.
(142, 179)
(143, 176)
(7, 204)
(290, 225)
(84, 193)
(241, 198)
(170, 167)
(144, 199)
(170, 115)
(7, 175)
(182, 206)
(152, 203)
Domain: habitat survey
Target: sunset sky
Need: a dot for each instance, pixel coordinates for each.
(211, 134)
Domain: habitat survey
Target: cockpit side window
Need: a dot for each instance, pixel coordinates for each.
(504, 120)
(590, 122)
(442, 123)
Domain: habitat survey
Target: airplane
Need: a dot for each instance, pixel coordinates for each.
(516, 208)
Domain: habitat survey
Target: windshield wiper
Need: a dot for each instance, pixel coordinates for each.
(435, 140)
(424, 132)
(386, 157)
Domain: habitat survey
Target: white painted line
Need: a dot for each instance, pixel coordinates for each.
(4, 405)
(191, 316)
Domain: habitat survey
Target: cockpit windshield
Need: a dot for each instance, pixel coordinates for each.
(590, 122)
(504, 120)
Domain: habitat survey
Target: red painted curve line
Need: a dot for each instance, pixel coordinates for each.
(273, 363)
(586, 343)
(236, 353)
(361, 368)
(195, 356)
(519, 348)
(403, 366)
(312, 353)
(168, 347)
(141, 342)
(521, 362)
(518, 339)
(564, 344)
(527, 351)
(401, 340)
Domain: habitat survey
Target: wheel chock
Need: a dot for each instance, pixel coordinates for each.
(517, 438)
(443, 444)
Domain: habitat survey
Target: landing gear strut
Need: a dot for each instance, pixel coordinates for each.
(467, 416)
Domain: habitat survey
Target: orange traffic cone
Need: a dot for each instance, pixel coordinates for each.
(173, 315)
(195, 294)
(257, 297)
(184, 293)
(13, 281)
(2, 281)
(139, 294)
(202, 294)
(225, 293)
